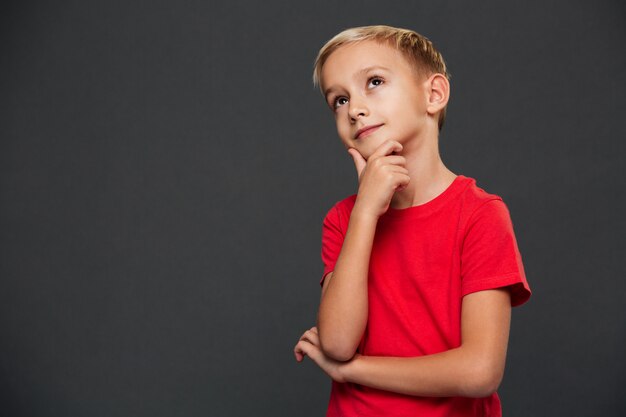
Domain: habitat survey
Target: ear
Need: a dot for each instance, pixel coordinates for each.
(438, 93)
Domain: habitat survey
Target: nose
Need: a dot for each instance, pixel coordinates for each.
(357, 109)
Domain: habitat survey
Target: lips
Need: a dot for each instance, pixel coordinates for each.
(366, 131)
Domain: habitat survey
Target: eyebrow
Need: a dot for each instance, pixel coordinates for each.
(373, 67)
(356, 74)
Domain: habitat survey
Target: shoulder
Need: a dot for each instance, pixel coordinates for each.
(346, 204)
(476, 202)
(474, 196)
(339, 213)
(490, 257)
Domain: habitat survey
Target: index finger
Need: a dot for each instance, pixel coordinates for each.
(359, 161)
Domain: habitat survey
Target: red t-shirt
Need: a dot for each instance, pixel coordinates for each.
(424, 260)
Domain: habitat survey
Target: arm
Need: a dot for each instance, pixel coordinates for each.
(343, 308)
(474, 369)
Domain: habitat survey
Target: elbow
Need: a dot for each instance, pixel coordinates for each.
(340, 356)
(483, 380)
(487, 386)
(339, 350)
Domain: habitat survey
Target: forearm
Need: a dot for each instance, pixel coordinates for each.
(344, 305)
(456, 372)
(474, 369)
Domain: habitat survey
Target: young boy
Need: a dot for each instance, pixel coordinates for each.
(421, 265)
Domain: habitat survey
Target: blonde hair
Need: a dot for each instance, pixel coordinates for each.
(417, 49)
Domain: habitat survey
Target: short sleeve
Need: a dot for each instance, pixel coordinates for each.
(333, 233)
(490, 257)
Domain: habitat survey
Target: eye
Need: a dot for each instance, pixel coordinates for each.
(374, 82)
(339, 101)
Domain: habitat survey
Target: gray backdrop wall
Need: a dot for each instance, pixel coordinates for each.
(165, 167)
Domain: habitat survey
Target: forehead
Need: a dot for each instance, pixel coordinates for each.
(349, 60)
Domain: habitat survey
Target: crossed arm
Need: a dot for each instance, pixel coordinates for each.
(474, 369)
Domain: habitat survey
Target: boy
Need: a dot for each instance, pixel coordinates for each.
(421, 266)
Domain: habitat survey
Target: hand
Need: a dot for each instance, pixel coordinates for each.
(309, 345)
(380, 177)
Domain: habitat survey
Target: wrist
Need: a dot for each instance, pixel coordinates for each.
(361, 213)
(350, 368)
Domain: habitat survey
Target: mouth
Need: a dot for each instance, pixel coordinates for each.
(366, 131)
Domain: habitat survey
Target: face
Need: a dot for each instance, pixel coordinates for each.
(374, 94)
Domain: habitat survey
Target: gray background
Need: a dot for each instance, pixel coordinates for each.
(165, 167)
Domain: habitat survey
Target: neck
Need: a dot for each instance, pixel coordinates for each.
(429, 176)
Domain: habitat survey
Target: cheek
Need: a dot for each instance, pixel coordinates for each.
(344, 134)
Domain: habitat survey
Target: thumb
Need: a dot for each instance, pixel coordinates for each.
(359, 161)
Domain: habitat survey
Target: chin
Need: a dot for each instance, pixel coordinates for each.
(371, 147)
